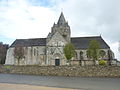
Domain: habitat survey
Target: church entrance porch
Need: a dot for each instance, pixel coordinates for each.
(57, 62)
(57, 58)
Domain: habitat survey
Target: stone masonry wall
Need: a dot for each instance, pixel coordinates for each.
(86, 71)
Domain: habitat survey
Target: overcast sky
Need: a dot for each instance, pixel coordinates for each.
(34, 19)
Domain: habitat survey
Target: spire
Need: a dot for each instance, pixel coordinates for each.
(61, 20)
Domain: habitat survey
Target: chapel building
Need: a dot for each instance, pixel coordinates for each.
(49, 50)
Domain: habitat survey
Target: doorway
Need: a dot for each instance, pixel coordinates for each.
(57, 62)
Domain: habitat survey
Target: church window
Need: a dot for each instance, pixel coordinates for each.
(52, 51)
(76, 55)
(81, 55)
(43, 50)
(52, 44)
(60, 43)
(34, 52)
(31, 51)
(102, 53)
(55, 44)
(110, 57)
(65, 30)
(26, 50)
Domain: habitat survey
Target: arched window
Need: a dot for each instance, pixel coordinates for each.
(76, 55)
(81, 55)
(102, 53)
(110, 55)
(88, 54)
(34, 51)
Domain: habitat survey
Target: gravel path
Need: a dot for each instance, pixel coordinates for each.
(5, 86)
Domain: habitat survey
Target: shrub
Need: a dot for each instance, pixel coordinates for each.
(102, 62)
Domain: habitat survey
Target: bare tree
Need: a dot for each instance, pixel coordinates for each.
(19, 53)
(3, 51)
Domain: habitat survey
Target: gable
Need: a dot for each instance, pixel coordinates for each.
(57, 38)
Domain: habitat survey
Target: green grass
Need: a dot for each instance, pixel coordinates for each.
(7, 66)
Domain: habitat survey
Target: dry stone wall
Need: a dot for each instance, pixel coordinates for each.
(86, 71)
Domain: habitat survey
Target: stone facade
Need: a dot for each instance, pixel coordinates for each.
(49, 51)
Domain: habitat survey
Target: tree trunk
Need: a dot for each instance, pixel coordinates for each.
(94, 62)
(68, 61)
(18, 61)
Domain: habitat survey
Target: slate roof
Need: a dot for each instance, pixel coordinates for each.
(78, 42)
(30, 42)
(61, 20)
(83, 42)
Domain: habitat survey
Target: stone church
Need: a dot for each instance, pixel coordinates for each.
(49, 51)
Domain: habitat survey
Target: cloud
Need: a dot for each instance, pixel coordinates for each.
(23, 20)
(94, 17)
(114, 47)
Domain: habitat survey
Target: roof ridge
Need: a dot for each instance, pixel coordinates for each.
(30, 38)
(86, 37)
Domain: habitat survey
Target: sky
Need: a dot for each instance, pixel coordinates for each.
(21, 19)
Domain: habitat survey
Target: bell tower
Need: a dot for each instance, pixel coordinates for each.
(62, 27)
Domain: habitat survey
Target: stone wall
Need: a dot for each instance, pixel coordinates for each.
(86, 71)
(32, 55)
